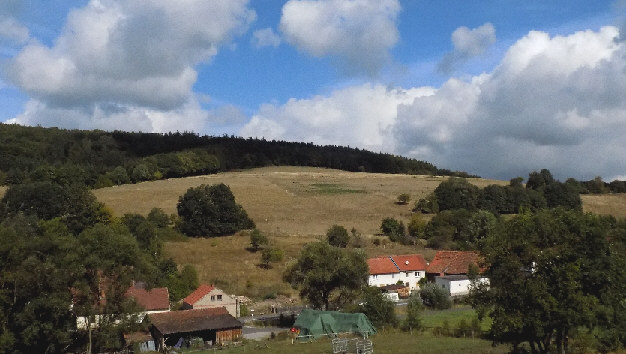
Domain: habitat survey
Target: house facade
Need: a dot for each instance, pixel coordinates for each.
(208, 296)
(457, 285)
(398, 269)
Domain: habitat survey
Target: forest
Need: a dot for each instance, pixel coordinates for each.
(101, 159)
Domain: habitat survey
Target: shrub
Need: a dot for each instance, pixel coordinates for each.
(271, 255)
(403, 199)
(257, 239)
(435, 297)
(338, 236)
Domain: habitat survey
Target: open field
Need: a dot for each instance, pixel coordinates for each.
(605, 204)
(291, 200)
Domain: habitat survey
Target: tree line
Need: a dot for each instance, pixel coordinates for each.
(98, 159)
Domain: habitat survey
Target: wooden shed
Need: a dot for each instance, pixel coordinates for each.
(214, 325)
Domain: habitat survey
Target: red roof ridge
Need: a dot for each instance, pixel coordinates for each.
(198, 294)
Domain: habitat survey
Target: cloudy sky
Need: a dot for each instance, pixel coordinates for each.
(497, 88)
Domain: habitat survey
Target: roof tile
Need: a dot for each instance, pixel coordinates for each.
(453, 262)
(382, 265)
(151, 300)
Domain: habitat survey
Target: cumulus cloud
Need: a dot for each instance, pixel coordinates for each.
(265, 38)
(356, 116)
(467, 43)
(552, 102)
(137, 55)
(359, 33)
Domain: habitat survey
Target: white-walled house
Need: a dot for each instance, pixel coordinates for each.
(457, 285)
(208, 296)
(389, 270)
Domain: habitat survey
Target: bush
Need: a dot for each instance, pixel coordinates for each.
(413, 320)
(338, 236)
(403, 199)
(257, 239)
(271, 255)
(378, 309)
(211, 211)
(435, 297)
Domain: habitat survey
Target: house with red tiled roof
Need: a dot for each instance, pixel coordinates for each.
(406, 269)
(214, 325)
(154, 300)
(452, 263)
(208, 296)
(449, 270)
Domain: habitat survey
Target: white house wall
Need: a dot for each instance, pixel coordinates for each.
(412, 278)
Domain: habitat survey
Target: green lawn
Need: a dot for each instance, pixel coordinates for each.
(433, 318)
(391, 342)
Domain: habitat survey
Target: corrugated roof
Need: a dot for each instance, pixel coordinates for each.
(151, 300)
(453, 262)
(198, 294)
(410, 262)
(193, 320)
(381, 265)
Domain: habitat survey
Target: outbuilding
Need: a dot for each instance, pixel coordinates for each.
(214, 325)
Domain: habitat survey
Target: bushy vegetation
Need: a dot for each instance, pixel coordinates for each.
(49, 275)
(338, 236)
(211, 211)
(435, 297)
(553, 274)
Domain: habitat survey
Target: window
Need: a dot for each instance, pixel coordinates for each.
(393, 276)
(212, 297)
(406, 274)
(219, 297)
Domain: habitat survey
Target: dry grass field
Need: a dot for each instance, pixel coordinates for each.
(607, 204)
(291, 205)
(292, 201)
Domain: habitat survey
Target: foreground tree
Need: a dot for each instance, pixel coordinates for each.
(211, 211)
(378, 308)
(551, 274)
(323, 271)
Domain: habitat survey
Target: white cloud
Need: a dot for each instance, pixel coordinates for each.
(265, 38)
(468, 43)
(139, 55)
(359, 33)
(552, 102)
(355, 116)
(12, 31)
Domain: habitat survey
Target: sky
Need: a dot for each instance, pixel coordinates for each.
(497, 88)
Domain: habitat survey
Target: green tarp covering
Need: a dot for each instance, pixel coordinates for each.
(318, 323)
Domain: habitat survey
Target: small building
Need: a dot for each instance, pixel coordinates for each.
(215, 326)
(457, 285)
(406, 269)
(154, 300)
(208, 296)
(452, 263)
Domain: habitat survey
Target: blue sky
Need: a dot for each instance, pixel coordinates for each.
(496, 88)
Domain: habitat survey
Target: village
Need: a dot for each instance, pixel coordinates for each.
(209, 317)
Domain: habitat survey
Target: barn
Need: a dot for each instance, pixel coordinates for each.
(214, 325)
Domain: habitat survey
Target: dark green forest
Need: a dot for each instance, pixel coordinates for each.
(100, 159)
